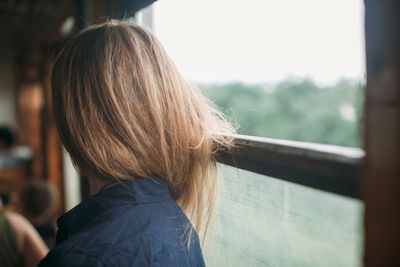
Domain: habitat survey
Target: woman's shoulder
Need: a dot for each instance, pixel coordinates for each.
(137, 235)
(152, 228)
(151, 245)
(160, 235)
(144, 255)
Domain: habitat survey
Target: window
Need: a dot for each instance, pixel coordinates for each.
(262, 221)
(280, 69)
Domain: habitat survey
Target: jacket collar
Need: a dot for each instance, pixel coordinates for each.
(139, 191)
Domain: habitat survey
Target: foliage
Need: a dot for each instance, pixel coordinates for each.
(294, 109)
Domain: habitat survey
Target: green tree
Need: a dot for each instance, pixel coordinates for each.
(293, 109)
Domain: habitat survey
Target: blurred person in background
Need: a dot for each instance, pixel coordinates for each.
(20, 244)
(11, 154)
(6, 138)
(7, 159)
(37, 202)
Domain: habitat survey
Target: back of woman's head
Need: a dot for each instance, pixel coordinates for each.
(123, 111)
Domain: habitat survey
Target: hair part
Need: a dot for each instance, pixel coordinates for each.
(123, 111)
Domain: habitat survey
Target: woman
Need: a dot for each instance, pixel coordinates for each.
(146, 140)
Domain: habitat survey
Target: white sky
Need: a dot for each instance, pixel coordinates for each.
(263, 40)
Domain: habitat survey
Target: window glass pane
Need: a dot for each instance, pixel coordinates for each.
(281, 69)
(262, 221)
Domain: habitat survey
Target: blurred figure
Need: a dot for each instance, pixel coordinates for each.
(20, 244)
(6, 138)
(37, 202)
(6, 142)
(12, 155)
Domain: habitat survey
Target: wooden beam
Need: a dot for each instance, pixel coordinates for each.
(326, 167)
(29, 103)
(381, 181)
(52, 144)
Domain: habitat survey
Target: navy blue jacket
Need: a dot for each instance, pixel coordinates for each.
(135, 223)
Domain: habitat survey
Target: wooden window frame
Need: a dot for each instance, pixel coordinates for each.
(330, 168)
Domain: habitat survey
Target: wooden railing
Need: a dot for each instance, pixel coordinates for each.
(327, 167)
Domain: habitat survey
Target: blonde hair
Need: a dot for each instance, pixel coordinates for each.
(123, 111)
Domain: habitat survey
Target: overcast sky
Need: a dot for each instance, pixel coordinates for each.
(263, 40)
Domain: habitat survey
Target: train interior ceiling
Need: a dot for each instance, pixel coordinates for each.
(33, 31)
